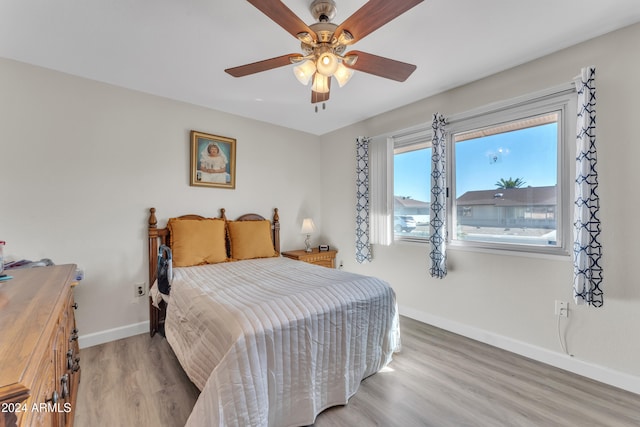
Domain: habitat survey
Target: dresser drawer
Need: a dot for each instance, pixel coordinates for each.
(41, 408)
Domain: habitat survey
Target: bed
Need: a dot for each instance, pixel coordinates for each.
(269, 341)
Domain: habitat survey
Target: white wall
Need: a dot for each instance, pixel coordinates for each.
(82, 162)
(509, 300)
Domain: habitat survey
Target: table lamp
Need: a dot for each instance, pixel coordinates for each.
(308, 227)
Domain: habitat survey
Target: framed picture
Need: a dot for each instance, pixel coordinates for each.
(213, 160)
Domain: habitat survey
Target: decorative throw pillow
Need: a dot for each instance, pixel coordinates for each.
(197, 241)
(250, 239)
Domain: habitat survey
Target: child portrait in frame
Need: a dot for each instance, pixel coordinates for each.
(213, 160)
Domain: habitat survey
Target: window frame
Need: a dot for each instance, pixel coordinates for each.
(561, 99)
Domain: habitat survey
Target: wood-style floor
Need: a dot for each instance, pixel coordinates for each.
(438, 379)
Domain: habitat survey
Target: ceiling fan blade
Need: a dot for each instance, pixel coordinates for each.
(257, 67)
(373, 15)
(321, 97)
(283, 16)
(381, 66)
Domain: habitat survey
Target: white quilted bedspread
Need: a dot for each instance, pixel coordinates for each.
(273, 342)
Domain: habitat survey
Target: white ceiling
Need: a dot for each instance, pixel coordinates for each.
(179, 48)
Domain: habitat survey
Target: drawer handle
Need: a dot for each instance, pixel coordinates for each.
(64, 382)
(75, 305)
(54, 397)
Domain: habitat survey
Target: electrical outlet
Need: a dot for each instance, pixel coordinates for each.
(562, 308)
(140, 289)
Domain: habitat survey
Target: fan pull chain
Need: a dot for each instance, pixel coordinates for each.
(324, 107)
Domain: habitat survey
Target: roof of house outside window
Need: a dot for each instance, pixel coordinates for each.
(409, 203)
(526, 196)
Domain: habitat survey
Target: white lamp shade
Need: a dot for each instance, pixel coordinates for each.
(327, 64)
(320, 83)
(308, 226)
(343, 74)
(304, 71)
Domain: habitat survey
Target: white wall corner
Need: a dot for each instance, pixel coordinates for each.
(559, 360)
(114, 334)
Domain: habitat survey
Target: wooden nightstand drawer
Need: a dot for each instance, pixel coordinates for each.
(324, 258)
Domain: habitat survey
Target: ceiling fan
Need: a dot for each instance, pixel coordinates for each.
(324, 43)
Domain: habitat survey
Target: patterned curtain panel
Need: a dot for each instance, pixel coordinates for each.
(438, 212)
(587, 250)
(363, 246)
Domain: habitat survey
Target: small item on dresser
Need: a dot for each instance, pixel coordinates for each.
(165, 273)
(26, 263)
(323, 248)
(79, 274)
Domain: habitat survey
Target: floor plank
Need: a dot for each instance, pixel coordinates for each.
(438, 379)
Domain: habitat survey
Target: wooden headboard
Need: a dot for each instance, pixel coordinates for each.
(161, 236)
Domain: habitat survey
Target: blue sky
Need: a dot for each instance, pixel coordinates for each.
(529, 154)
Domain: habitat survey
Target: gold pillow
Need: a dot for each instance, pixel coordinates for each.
(197, 241)
(250, 239)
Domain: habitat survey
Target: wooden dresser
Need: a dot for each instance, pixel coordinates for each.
(39, 354)
(324, 258)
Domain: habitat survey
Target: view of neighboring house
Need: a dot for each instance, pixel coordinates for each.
(408, 206)
(528, 207)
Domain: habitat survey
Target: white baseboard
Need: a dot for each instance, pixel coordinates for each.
(559, 360)
(114, 334)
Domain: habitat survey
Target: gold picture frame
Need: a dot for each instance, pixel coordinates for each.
(213, 161)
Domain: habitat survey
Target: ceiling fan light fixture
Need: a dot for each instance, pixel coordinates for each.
(305, 38)
(320, 83)
(350, 60)
(343, 75)
(345, 38)
(327, 63)
(304, 71)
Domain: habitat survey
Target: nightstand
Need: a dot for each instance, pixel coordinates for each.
(324, 258)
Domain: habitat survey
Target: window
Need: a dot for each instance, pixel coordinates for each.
(411, 185)
(506, 182)
(508, 177)
(508, 170)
